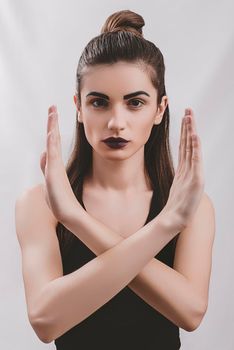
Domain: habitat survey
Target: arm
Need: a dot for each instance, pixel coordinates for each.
(68, 300)
(187, 304)
(189, 177)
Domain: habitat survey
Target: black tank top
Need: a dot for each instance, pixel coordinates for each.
(125, 322)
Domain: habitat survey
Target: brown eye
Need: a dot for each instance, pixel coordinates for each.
(98, 104)
(138, 101)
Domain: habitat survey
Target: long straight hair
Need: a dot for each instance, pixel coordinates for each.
(121, 39)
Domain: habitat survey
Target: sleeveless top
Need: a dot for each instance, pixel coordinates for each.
(126, 321)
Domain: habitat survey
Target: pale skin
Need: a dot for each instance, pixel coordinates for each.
(56, 308)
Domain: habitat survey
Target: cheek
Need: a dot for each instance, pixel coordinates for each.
(92, 130)
(143, 130)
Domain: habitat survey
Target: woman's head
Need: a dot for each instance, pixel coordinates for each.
(120, 61)
(121, 49)
(121, 41)
(119, 113)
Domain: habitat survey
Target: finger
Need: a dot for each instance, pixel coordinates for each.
(191, 127)
(43, 162)
(53, 125)
(188, 147)
(51, 135)
(54, 114)
(58, 131)
(57, 124)
(183, 143)
(47, 200)
(180, 146)
(50, 119)
(196, 159)
(51, 145)
(193, 122)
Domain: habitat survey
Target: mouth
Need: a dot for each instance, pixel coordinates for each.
(115, 142)
(115, 139)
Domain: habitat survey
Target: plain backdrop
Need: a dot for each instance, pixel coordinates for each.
(40, 44)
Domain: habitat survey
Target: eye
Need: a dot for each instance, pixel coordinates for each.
(136, 100)
(98, 100)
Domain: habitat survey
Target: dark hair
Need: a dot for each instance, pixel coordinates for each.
(121, 38)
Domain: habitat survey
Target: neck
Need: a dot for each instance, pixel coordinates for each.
(116, 175)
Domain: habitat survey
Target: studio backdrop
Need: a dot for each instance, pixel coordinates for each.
(40, 45)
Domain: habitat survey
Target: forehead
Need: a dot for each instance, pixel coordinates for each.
(121, 77)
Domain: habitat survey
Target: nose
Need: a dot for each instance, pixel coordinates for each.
(117, 121)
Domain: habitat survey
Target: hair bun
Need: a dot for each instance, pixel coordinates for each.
(124, 20)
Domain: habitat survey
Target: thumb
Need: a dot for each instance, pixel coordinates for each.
(43, 162)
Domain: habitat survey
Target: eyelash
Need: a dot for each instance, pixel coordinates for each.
(100, 99)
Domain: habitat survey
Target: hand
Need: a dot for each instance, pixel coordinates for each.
(59, 194)
(188, 184)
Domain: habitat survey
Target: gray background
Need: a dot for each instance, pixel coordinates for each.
(40, 44)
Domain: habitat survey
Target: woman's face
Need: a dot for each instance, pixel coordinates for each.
(116, 114)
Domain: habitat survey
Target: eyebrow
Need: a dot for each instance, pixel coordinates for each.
(133, 94)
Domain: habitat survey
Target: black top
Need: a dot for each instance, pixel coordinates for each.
(126, 321)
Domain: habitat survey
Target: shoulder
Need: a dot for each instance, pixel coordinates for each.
(207, 202)
(205, 211)
(37, 190)
(204, 216)
(33, 199)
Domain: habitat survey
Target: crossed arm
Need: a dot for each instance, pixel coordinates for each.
(170, 292)
(178, 294)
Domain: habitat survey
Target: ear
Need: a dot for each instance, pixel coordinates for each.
(78, 107)
(160, 110)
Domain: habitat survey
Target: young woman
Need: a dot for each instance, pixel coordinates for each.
(117, 247)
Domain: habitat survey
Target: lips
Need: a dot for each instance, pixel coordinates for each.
(115, 142)
(115, 139)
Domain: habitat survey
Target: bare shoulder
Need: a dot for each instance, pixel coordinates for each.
(34, 193)
(32, 214)
(35, 197)
(208, 203)
(204, 214)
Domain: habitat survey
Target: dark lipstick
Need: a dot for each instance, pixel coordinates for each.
(115, 142)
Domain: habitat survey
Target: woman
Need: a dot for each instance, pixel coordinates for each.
(124, 270)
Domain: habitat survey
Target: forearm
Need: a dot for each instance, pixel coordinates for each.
(70, 299)
(170, 293)
(154, 283)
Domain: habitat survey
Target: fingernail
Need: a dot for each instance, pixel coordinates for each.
(187, 111)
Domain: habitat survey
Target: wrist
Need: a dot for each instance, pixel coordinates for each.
(170, 222)
(75, 213)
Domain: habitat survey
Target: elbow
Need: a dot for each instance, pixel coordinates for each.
(42, 329)
(194, 324)
(195, 320)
